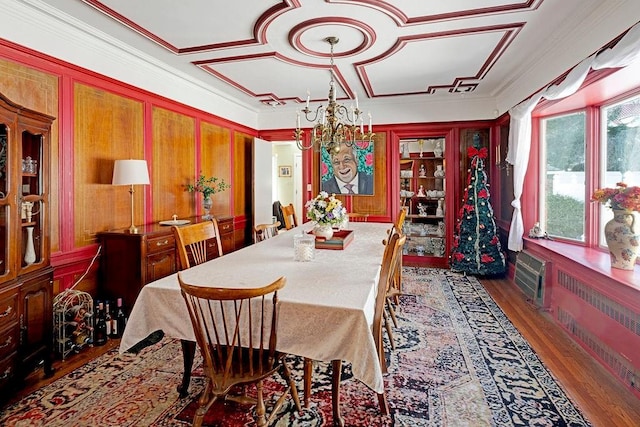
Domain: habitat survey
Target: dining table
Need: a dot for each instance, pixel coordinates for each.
(326, 308)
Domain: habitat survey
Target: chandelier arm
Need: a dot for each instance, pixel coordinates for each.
(306, 112)
(343, 111)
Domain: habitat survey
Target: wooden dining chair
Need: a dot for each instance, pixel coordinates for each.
(397, 280)
(396, 241)
(236, 332)
(289, 215)
(358, 217)
(265, 231)
(393, 292)
(197, 242)
(392, 251)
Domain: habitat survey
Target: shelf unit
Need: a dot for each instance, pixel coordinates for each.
(26, 277)
(423, 194)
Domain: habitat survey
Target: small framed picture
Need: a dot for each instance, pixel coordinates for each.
(284, 171)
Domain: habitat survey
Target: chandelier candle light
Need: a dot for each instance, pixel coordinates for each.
(334, 124)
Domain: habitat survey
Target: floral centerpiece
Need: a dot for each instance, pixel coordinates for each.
(620, 198)
(327, 212)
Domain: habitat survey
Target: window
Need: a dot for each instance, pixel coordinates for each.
(562, 160)
(619, 150)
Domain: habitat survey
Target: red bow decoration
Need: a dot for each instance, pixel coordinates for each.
(481, 153)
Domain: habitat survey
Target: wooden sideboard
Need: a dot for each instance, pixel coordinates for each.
(131, 260)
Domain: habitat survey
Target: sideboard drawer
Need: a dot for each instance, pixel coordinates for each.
(160, 265)
(8, 368)
(225, 227)
(160, 244)
(9, 340)
(8, 307)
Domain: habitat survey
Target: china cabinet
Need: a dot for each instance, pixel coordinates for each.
(423, 194)
(25, 274)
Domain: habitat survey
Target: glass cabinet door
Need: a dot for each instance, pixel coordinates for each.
(31, 204)
(422, 193)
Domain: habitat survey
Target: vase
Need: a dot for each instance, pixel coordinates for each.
(207, 204)
(440, 208)
(437, 150)
(324, 231)
(30, 251)
(622, 239)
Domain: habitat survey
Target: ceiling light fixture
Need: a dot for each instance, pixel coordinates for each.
(335, 124)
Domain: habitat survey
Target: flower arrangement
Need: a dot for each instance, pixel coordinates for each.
(325, 209)
(208, 186)
(621, 197)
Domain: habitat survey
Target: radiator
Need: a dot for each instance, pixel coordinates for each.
(530, 277)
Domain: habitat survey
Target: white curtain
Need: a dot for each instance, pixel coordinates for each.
(625, 52)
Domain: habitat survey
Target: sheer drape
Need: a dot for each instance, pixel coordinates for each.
(625, 52)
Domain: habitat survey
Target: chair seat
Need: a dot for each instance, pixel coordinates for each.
(242, 370)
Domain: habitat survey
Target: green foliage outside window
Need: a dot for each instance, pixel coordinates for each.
(562, 219)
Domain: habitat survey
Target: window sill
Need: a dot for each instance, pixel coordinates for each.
(595, 260)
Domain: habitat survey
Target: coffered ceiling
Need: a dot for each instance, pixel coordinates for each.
(269, 55)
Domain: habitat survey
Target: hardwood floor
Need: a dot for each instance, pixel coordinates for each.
(604, 401)
(601, 397)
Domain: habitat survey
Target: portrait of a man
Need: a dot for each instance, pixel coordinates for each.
(348, 171)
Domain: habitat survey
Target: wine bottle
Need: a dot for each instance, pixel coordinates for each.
(108, 320)
(100, 330)
(120, 319)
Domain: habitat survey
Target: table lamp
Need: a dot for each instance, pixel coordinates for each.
(130, 172)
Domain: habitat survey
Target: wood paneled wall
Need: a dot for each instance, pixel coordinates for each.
(108, 127)
(174, 164)
(38, 91)
(215, 151)
(242, 191)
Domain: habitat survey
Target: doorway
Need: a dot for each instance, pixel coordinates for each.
(287, 177)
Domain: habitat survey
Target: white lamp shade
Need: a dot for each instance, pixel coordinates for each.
(129, 172)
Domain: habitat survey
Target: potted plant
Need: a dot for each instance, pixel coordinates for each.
(208, 187)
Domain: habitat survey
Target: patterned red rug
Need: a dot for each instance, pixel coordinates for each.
(458, 362)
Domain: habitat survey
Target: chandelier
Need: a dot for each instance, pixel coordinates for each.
(335, 124)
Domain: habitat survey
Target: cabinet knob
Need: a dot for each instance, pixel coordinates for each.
(165, 242)
(6, 373)
(6, 312)
(7, 342)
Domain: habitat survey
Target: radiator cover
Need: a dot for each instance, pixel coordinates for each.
(529, 277)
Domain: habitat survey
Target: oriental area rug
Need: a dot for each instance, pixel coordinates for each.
(458, 362)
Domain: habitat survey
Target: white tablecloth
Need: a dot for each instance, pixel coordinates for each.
(326, 307)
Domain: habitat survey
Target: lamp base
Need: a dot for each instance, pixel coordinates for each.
(133, 229)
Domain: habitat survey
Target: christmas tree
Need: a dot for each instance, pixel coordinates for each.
(476, 247)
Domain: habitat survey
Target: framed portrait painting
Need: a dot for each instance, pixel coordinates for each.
(349, 171)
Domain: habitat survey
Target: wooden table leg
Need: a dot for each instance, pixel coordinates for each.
(308, 375)
(188, 354)
(335, 392)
